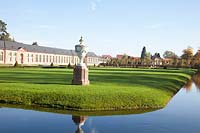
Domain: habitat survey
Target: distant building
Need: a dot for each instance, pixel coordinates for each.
(11, 52)
(167, 61)
(119, 56)
(156, 60)
(108, 57)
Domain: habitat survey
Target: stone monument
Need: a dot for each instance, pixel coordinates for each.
(79, 121)
(80, 76)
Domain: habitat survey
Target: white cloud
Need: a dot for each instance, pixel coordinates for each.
(154, 26)
(94, 4)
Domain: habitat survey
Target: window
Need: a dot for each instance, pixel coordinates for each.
(70, 59)
(40, 58)
(36, 58)
(47, 58)
(1, 56)
(58, 59)
(15, 56)
(43, 58)
(67, 59)
(53, 59)
(10, 54)
(61, 59)
(28, 57)
(50, 58)
(32, 57)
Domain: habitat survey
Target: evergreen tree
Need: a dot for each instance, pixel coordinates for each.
(144, 53)
(4, 35)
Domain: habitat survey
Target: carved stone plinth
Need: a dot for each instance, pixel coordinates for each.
(80, 76)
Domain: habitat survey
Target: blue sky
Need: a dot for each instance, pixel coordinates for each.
(108, 26)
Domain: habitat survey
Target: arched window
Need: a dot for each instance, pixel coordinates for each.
(1, 56)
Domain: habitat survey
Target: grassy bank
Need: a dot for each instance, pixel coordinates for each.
(110, 89)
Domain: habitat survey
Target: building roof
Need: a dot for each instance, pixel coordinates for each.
(119, 56)
(107, 56)
(39, 49)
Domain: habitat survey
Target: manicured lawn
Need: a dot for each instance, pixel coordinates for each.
(110, 89)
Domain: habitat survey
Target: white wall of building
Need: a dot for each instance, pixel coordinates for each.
(32, 58)
(1, 56)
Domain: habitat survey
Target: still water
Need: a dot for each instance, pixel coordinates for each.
(182, 114)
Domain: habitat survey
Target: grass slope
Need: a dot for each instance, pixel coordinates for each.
(110, 89)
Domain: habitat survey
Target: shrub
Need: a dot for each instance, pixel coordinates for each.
(16, 64)
(69, 65)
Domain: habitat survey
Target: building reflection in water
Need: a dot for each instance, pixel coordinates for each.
(79, 121)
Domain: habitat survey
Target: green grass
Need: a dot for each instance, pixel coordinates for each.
(110, 89)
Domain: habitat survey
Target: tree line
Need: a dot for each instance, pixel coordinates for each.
(188, 59)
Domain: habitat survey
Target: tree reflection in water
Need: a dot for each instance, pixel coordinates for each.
(79, 121)
(196, 80)
(188, 85)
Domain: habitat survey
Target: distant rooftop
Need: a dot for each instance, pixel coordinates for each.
(39, 49)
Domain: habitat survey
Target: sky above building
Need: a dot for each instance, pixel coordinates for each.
(107, 26)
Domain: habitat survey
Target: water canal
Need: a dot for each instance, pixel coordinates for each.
(182, 114)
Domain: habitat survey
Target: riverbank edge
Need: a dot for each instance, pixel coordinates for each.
(74, 108)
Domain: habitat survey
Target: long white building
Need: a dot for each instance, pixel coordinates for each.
(31, 55)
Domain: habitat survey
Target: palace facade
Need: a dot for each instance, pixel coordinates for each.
(33, 55)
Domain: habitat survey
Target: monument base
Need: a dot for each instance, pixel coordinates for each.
(80, 76)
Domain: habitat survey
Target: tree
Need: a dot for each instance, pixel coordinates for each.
(170, 55)
(187, 53)
(4, 35)
(124, 59)
(144, 53)
(35, 44)
(196, 60)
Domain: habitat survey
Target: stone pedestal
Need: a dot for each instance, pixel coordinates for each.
(80, 76)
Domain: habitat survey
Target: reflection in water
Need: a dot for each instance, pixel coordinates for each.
(79, 121)
(196, 80)
(188, 85)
